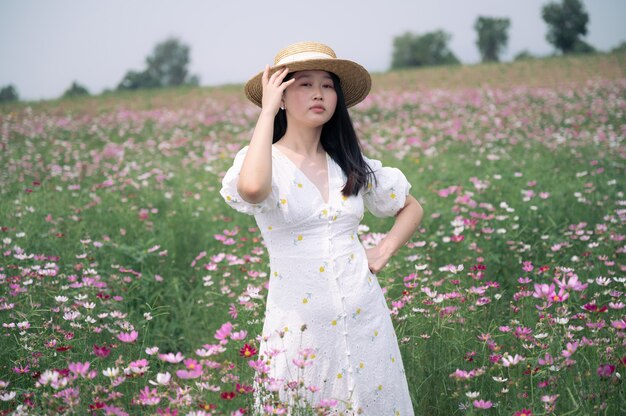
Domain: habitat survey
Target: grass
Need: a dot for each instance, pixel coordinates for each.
(111, 222)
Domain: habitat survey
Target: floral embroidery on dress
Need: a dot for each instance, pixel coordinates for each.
(322, 296)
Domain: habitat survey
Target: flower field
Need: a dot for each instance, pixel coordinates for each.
(127, 286)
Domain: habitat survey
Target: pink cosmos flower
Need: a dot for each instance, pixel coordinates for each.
(259, 366)
(128, 336)
(224, 331)
(606, 370)
(138, 367)
(232, 311)
(560, 297)
(547, 360)
(328, 403)
(621, 324)
(238, 336)
(549, 398)
(172, 358)
(528, 266)
(482, 404)
(79, 369)
(572, 283)
(193, 369)
(570, 349)
(302, 363)
(149, 396)
(274, 410)
(112, 410)
(544, 291)
(21, 369)
(102, 351)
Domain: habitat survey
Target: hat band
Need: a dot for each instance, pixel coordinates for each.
(303, 56)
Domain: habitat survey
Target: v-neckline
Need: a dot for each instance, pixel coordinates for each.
(292, 163)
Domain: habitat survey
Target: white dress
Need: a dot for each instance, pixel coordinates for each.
(327, 323)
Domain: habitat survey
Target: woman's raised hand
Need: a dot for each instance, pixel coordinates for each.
(273, 88)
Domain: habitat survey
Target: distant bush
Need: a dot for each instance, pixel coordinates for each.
(8, 94)
(411, 50)
(524, 55)
(582, 47)
(166, 67)
(620, 48)
(75, 90)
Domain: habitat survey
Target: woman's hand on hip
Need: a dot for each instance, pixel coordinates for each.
(377, 259)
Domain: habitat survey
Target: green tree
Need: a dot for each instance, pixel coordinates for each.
(75, 90)
(8, 94)
(412, 50)
(134, 80)
(166, 66)
(492, 37)
(567, 21)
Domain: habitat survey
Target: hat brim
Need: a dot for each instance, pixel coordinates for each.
(354, 79)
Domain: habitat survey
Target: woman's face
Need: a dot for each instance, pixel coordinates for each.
(311, 99)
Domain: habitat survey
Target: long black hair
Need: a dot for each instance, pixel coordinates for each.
(339, 140)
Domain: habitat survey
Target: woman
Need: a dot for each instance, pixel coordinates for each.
(327, 336)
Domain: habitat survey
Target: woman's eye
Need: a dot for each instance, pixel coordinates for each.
(329, 86)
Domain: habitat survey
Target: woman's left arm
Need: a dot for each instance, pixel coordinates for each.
(407, 221)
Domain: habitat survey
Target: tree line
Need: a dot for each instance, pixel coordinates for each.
(567, 24)
(166, 66)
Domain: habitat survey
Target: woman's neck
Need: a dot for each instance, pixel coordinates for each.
(303, 141)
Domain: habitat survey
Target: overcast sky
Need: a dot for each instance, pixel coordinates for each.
(47, 44)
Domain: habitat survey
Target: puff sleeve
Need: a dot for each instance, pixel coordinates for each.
(232, 197)
(387, 194)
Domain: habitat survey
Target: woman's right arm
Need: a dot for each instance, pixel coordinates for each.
(255, 177)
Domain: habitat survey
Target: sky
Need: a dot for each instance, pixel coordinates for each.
(45, 45)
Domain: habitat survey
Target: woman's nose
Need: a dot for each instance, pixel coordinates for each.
(318, 93)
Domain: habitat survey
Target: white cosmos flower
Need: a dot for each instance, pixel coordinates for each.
(162, 379)
(111, 372)
(5, 397)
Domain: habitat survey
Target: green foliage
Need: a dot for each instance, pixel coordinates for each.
(412, 50)
(620, 48)
(130, 199)
(166, 67)
(8, 94)
(524, 55)
(566, 21)
(492, 37)
(75, 90)
(583, 47)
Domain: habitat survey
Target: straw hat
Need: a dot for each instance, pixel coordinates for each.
(355, 80)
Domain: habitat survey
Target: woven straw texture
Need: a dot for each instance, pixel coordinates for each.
(354, 79)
